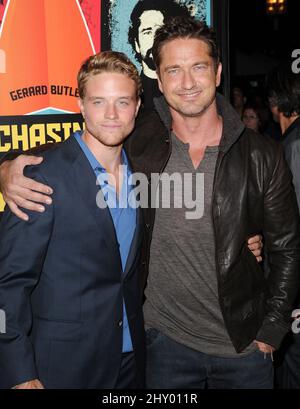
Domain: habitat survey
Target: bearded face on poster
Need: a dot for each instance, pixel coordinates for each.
(136, 38)
(146, 17)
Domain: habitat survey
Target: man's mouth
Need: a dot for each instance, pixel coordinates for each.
(189, 95)
(111, 125)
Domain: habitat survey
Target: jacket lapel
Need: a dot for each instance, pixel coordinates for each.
(136, 241)
(84, 180)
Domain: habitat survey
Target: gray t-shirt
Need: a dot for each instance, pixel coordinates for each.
(182, 291)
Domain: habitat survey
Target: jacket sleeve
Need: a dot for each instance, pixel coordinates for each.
(292, 154)
(282, 237)
(37, 151)
(23, 246)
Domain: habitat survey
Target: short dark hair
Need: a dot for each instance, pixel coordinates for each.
(185, 27)
(283, 87)
(168, 8)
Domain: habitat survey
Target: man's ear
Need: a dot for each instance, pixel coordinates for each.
(137, 47)
(81, 107)
(218, 74)
(159, 81)
(137, 106)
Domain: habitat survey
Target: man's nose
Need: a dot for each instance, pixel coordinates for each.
(188, 81)
(111, 111)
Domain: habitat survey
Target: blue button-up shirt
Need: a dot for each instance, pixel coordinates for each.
(123, 216)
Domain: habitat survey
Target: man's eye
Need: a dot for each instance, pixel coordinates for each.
(147, 32)
(199, 67)
(172, 71)
(123, 103)
(97, 102)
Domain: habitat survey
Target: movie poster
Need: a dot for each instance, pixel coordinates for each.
(133, 33)
(42, 45)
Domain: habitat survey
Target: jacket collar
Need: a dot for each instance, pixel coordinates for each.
(81, 174)
(291, 128)
(233, 127)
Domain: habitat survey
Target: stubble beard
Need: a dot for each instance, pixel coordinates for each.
(106, 140)
(193, 111)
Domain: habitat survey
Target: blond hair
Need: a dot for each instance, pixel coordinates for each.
(108, 61)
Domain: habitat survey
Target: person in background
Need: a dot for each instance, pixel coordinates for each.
(251, 118)
(238, 99)
(284, 99)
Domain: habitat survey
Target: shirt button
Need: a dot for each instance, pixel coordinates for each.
(120, 323)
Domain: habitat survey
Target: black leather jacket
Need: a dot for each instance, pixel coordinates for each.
(252, 194)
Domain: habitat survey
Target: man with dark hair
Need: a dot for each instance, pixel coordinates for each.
(284, 99)
(238, 99)
(145, 18)
(213, 317)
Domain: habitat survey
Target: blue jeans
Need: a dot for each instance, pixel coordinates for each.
(173, 365)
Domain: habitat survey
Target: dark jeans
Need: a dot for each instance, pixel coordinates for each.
(288, 368)
(173, 365)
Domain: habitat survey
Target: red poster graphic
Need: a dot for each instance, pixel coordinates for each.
(44, 43)
(2, 8)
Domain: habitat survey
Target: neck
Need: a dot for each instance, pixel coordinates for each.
(286, 122)
(108, 156)
(200, 131)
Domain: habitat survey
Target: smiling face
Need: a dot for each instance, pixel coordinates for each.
(109, 107)
(188, 77)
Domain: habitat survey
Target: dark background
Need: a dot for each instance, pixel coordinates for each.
(253, 42)
(258, 41)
